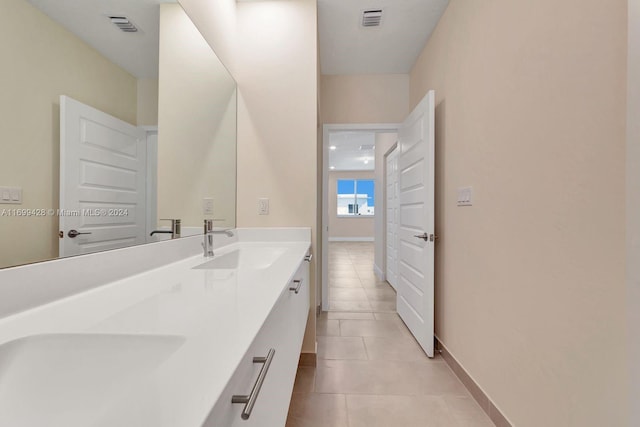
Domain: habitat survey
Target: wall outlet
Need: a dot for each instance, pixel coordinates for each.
(465, 196)
(11, 195)
(207, 206)
(263, 206)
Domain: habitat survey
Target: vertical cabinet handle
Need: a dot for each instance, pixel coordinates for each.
(297, 286)
(250, 400)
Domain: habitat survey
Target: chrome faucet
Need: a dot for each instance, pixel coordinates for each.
(208, 236)
(176, 228)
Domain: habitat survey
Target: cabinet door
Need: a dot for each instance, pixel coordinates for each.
(283, 331)
(299, 306)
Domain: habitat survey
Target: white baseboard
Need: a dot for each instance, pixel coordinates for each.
(379, 273)
(351, 239)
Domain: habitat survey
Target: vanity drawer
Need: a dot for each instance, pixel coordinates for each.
(283, 332)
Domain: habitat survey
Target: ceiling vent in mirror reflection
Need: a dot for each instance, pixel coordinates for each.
(124, 24)
(371, 18)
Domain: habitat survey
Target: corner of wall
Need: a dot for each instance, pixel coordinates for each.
(271, 51)
(633, 208)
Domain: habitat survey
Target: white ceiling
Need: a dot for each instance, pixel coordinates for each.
(348, 156)
(346, 47)
(88, 19)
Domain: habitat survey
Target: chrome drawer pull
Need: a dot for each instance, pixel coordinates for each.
(308, 258)
(250, 400)
(296, 289)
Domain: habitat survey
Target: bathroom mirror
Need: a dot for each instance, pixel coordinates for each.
(148, 127)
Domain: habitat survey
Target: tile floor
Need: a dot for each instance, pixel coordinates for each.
(371, 372)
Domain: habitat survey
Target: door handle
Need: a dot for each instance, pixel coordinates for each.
(75, 233)
(427, 237)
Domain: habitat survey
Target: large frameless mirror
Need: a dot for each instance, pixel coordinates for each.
(117, 115)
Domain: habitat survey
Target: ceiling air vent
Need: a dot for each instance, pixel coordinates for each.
(371, 18)
(123, 23)
(367, 147)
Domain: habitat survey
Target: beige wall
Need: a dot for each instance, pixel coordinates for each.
(375, 98)
(270, 49)
(197, 123)
(633, 207)
(530, 294)
(348, 228)
(42, 61)
(384, 142)
(147, 102)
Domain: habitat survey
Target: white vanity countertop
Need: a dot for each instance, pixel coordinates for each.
(168, 341)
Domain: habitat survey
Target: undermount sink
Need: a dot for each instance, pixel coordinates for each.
(74, 379)
(254, 258)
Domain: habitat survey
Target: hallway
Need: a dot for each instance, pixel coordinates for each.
(370, 371)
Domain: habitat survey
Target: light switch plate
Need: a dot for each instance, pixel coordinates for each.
(11, 195)
(16, 195)
(465, 196)
(263, 206)
(207, 206)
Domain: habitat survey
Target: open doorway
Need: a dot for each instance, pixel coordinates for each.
(354, 205)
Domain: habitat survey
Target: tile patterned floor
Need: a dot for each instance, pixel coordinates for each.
(371, 372)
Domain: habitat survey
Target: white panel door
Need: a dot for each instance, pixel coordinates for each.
(416, 222)
(392, 217)
(102, 180)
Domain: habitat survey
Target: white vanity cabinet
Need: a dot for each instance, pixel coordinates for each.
(185, 335)
(283, 332)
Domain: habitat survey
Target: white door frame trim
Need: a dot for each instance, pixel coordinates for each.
(383, 273)
(633, 206)
(152, 181)
(327, 129)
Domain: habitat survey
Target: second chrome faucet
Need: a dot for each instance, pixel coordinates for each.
(208, 236)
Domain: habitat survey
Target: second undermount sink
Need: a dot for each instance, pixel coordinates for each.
(251, 258)
(69, 380)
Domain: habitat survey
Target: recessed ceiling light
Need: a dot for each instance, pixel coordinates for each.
(366, 162)
(333, 147)
(332, 167)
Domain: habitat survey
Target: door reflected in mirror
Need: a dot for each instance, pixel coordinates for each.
(146, 129)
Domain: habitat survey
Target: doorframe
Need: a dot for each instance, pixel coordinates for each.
(327, 129)
(384, 219)
(632, 272)
(151, 143)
